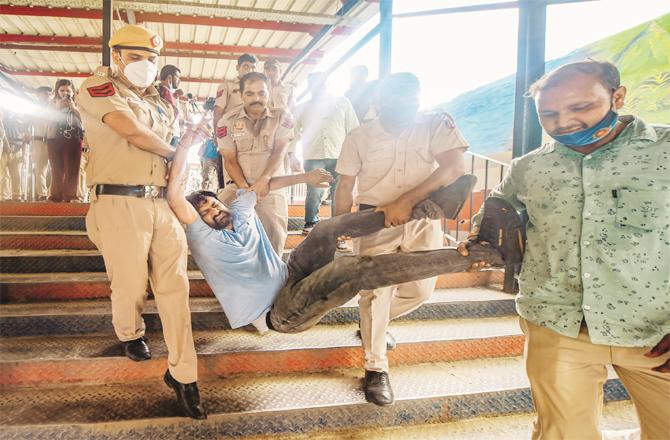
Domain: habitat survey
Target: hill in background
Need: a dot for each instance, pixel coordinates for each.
(642, 55)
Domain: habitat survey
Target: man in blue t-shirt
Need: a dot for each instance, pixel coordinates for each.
(254, 285)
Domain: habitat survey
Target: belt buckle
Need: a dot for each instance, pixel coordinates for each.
(150, 192)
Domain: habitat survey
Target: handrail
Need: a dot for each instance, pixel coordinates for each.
(479, 156)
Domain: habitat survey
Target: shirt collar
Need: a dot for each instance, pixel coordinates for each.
(266, 114)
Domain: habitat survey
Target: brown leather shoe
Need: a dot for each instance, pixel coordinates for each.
(377, 387)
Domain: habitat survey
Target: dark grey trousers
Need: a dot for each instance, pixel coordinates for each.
(318, 283)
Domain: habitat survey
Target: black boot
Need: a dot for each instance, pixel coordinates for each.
(137, 349)
(502, 228)
(446, 201)
(377, 387)
(188, 397)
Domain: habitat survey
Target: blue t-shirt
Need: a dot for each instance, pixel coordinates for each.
(240, 266)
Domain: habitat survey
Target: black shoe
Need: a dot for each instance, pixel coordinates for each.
(188, 397)
(501, 226)
(377, 387)
(390, 340)
(137, 349)
(446, 201)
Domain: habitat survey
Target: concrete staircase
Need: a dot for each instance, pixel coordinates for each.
(63, 374)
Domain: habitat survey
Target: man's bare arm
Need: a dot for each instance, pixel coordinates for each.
(318, 177)
(127, 126)
(233, 168)
(344, 194)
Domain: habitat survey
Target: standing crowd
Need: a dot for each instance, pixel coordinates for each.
(595, 280)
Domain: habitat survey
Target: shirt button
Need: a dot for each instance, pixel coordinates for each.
(586, 243)
(587, 308)
(587, 275)
(587, 214)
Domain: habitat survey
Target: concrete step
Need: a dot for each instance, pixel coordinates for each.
(76, 223)
(278, 404)
(78, 240)
(59, 286)
(99, 359)
(94, 317)
(80, 209)
(618, 421)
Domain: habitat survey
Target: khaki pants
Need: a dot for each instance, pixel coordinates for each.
(377, 307)
(10, 176)
(41, 163)
(272, 210)
(141, 240)
(567, 376)
(82, 189)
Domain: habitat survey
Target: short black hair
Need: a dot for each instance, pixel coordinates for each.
(246, 57)
(44, 89)
(197, 198)
(252, 77)
(168, 70)
(606, 72)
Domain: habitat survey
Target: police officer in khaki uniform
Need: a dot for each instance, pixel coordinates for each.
(228, 98)
(128, 127)
(253, 141)
(228, 93)
(282, 96)
(40, 154)
(398, 160)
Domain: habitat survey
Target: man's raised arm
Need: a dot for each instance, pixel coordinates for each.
(178, 177)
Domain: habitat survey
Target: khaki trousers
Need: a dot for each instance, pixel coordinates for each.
(272, 210)
(377, 307)
(10, 177)
(567, 376)
(41, 163)
(82, 189)
(141, 240)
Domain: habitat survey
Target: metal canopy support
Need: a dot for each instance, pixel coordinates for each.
(529, 68)
(385, 37)
(326, 30)
(107, 10)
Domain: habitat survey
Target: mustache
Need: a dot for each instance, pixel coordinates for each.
(256, 102)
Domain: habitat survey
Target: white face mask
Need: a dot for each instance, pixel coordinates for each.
(141, 73)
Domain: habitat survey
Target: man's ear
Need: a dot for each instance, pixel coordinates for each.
(619, 96)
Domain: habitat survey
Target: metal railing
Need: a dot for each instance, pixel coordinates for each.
(490, 172)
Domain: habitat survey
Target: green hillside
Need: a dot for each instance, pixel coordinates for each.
(641, 53)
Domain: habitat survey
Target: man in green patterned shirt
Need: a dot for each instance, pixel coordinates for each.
(594, 289)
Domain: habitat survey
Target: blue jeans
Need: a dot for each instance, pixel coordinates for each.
(313, 200)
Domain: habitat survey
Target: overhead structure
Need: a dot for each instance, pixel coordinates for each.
(43, 39)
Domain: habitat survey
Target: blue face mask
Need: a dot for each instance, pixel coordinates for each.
(589, 135)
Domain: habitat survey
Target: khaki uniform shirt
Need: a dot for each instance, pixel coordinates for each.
(322, 124)
(254, 141)
(112, 159)
(598, 236)
(282, 97)
(388, 165)
(228, 95)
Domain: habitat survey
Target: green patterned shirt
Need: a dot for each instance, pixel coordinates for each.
(598, 236)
